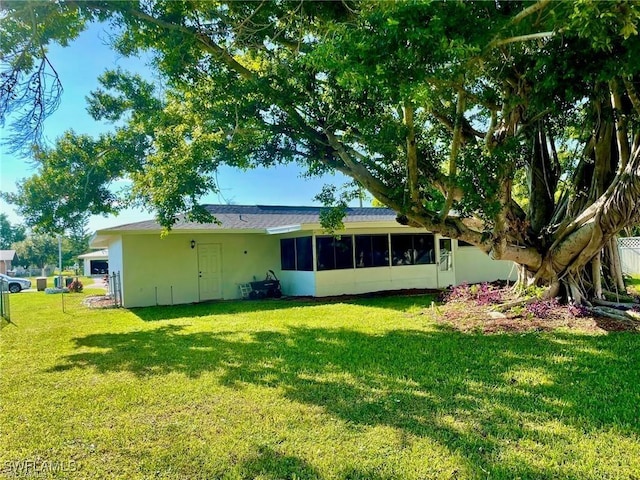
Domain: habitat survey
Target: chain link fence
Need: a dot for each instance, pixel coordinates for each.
(115, 288)
(5, 306)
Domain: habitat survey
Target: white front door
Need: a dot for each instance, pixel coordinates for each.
(209, 271)
(446, 273)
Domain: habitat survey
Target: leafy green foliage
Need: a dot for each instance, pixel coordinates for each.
(9, 234)
(372, 388)
(498, 134)
(37, 250)
(40, 250)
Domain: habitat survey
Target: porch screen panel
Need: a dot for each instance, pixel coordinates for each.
(401, 247)
(304, 254)
(334, 253)
(372, 251)
(424, 246)
(288, 254)
(411, 249)
(324, 251)
(344, 252)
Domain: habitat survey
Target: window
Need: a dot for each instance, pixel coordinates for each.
(372, 251)
(296, 254)
(304, 254)
(288, 254)
(334, 253)
(408, 249)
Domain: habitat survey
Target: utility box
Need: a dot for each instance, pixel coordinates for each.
(41, 283)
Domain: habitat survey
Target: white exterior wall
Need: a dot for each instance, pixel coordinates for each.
(374, 279)
(164, 271)
(86, 266)
(472, 265)
(116, 262)
(297, 284)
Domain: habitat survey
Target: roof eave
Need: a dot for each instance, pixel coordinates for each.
(283, 229)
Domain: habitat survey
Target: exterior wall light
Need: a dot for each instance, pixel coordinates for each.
(193, 244)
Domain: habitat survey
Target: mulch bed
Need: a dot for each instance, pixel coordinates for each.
(469, 317)
(99, 301)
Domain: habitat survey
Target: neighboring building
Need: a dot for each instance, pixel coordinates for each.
(199, 262)
(95, 263)
(6, 259)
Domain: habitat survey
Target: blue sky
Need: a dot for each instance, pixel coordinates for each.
(79, 66)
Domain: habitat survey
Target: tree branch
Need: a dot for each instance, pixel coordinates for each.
(521, 38)
(620, 121)
(453, 154)
(536, 7)
(412, 154)
(356, 170)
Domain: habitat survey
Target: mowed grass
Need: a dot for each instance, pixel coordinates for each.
(367, 389)
(633, 284)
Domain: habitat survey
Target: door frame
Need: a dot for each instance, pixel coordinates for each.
(199, 270)
(446, 277)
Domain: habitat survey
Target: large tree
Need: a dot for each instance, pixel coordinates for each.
(509, 125)
(9, 234)
(40, 250)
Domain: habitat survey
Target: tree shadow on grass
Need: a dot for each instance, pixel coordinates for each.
(230, 307)
(268, 463)
(471, 393)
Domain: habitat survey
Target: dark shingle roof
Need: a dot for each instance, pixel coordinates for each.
(263, 217)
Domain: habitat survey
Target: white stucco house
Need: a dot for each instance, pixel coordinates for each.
(95, 263)
(200, 262)
(6, 259)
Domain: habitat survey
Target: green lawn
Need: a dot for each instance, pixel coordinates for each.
(370, 389)
(633, 284)
(51, 280)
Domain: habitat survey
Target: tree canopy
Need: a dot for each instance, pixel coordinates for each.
(41, 250)
(9, 234)
(510, 125)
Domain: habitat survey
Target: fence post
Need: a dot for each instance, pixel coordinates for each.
(120, 286)
(115, 288)
(5, 306)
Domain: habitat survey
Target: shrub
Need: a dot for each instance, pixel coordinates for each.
(488, 294)
(459, 293)
(542, 308)
(51, 290)
(482, 294)
(578, 311)
(76, 286)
